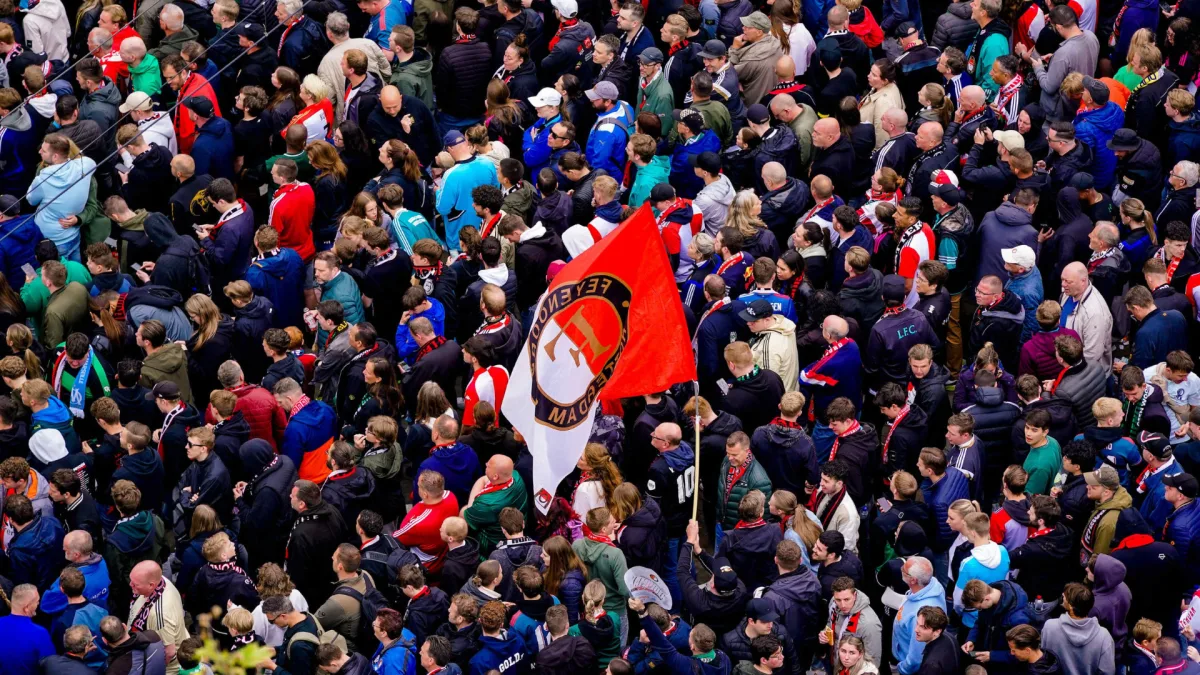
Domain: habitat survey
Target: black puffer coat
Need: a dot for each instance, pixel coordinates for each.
(643, 536)
(955, 28)
(461, 78)
(264, 509)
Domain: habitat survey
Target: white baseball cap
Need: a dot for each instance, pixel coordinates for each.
(137, 100)
(1019, 255)
(568, 8)
(547, 96)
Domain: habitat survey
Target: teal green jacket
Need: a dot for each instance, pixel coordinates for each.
(343, 289)
(994, 46)
(657, 171)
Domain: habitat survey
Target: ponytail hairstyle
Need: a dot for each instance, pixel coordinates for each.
(593, 600)
(386, 390)
(889, 180)
(485, 416)
(20, 339)
(987, 356)
(626, 501)
(785, 502)
(1135, 210)
(487, 574)
(101, 307)
(939, 102)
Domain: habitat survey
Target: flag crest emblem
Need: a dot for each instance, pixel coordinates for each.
(574, 345)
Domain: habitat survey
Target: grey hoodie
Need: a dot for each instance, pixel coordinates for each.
(1082, 645)
(713, 201)
(869, 628)
(47, 29)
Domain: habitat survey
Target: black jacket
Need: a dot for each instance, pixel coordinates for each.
(534, 254)
(505, 337)
(461, 77)
(441, 365)
(861, 299)
(1062, 424)
(940, 656)
(1146, 113)
(315, 535)
(931, 397)
(736, 645)
(847, 566)
(83, 516)
(787, 454)
(349, 492)
(643, 537)
(567, 655)
(754, 398)
(460, 565)
(904, 441)
(209, 483)
(1039, 563)
(426, 612)
(465, 642)
(1140, 173)
(751, 552)
(1000, 325)
(216, 587)
(720, 612)
(150, 182)
(837, 163)
(779, 207)
(861, 451)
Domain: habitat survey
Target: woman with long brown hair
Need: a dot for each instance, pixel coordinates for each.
(329, 185)
(793, 36)
(365, 205)
(20, 342)
(565, 574)
(503, 118)
(599, 479)
(208, 347)
(285, 103)
(113, 339)
(798, 523)
(643, 532)
(400, 167)
(12, 310)
(273, 582)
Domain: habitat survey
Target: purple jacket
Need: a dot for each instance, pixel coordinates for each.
(1037, 354)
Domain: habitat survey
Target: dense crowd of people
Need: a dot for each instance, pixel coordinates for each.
(266, 269)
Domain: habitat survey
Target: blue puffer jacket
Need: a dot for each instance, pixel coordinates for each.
(536, 146)
(213, 150)
(35, 553)
(606, 142)
(19, 143)
(1183, 532)
(1028, 287)
(95, 586)
(729, 25)
(18, 237)
(307, 437)
(280, 279)
(1096, 128)
(1183, 141)
(939, 496)
(683, 176)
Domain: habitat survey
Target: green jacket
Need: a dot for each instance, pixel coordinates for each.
(606, 563)
(657, 171)
(146, 76)
(423, 11)
(94, 225)
(305, 172)
(728, 498)
(658, 98)
(66, 313)
(483, 516)
(35, 296)
(172, 45)
(520, 201)
(343, 289)
(994, 46)
(169, 364)
(604, 652)
(414, 77)
(716, 117)
(1042, 465)
(1106, 529)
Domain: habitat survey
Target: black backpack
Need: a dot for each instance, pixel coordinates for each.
(370, 603)
(393, 561)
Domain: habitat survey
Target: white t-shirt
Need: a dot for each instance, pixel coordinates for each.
(1184, 393)
(269, 633)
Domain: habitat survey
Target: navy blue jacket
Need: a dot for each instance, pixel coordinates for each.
(1161, 333)
(939, 496)
(213, 150)
(886, 356)
(18, 237)
(718, 330)
(35, 553)
(788, 455)
(751, 552)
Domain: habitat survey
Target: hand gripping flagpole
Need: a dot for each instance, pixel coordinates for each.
(696, 448)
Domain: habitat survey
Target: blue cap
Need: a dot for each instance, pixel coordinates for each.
(453, 138)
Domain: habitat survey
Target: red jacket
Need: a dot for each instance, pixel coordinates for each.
(291, 215)
(185, 128)
(262, 413)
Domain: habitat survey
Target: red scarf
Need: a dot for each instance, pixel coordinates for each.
(733, 260)
(420, 594)
(735, 474)
(491, 223)
(779, 421)
(602, 538)
(433, 344)
(743, 525)
(854, 426)
(283, 38)
(494, 487)
(682, 44)
(895, 423)
(1058, 380)
(564, 24)
(300, 403)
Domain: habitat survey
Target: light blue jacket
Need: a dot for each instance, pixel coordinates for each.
(1028, 287)
(69, 180)
(905, 646)
(454, 196)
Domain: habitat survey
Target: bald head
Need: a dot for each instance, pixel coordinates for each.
(822, 187)
(838, 16)
(784, 107)
(774, 175)
(390, 100)
(77, 545)
(1075, 271)
(929, 135)
(972, 97)
(499, 469)
(835, 328)
(826, 132)
(670, 433)
(785, 68)
(897, 119)
(183, 166)
(147, 572)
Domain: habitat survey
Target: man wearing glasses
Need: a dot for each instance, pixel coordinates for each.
(204, 481)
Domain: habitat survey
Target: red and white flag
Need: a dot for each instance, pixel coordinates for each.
(610, 326)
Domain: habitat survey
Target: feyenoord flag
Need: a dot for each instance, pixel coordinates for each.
(610, 326)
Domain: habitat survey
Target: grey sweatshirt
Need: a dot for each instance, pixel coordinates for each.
(1076, 54)
(1081, 645)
